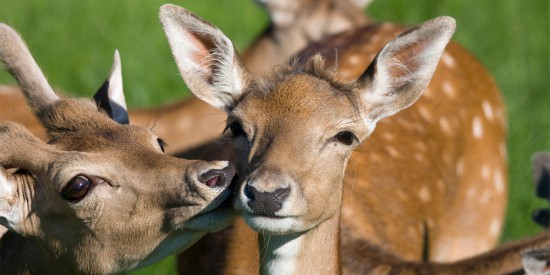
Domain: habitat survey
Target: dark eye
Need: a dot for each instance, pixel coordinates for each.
(161, 144)
(76, 189)
(236, 129)
(345, 137)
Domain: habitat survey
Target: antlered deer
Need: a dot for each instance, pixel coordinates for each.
(99, 197)
(429, 184)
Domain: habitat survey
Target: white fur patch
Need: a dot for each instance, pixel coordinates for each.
(393, 152)
(477, 128)
(494, 227)
(448, 60)
(498, 181)
(283, 259)
(485, 172)
(487, 110)
(424, 194)
(449, 89)
(424, 113)
(354, 59)
(445, 126)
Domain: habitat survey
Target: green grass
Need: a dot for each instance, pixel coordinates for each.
(74, 41)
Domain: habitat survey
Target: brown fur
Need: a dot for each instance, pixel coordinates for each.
(119, 222)
(304, 21)
(410, 186)
(191, 122)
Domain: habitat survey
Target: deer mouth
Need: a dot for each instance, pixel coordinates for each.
(273, 224)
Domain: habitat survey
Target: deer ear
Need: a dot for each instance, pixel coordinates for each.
(22, 150)
(17, 59)
(403, 68)
(541, 171)
(110, 96)
(9, 205)
(205, 57)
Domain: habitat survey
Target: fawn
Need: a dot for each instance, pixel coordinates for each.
(429, 184)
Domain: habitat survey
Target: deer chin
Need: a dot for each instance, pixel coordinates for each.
(274, 225)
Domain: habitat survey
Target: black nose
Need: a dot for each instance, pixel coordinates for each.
(265, 203)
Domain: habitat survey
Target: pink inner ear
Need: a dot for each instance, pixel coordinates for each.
(407, 60)
(200, 49)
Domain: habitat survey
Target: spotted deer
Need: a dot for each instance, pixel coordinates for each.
(101, 196)
(191, 122)
(429, 184)
(295, 24)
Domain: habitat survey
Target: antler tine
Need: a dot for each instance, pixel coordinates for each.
(19, 62)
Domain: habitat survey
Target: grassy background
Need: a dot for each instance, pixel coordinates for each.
(73, 41)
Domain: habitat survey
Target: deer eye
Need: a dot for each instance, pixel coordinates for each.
(76, 188)
(236, 129)
(345, 137)
(161, 143)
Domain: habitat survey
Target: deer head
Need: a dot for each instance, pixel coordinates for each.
(293, 132)
(100, 196)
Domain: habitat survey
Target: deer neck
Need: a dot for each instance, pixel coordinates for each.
(26, 257)
(313, 252)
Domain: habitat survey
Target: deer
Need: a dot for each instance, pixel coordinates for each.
(190, 122)
(294, 133)
(428, 185)
(295, 24)
(100, 196)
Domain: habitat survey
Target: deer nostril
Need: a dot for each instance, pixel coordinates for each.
(214, 178)
(249, 191)
(265, 203)
(281, 194)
